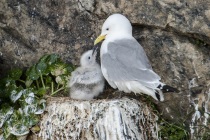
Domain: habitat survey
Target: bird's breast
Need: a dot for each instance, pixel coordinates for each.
(104, 48)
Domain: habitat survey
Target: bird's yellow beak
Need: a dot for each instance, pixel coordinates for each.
(99, 39)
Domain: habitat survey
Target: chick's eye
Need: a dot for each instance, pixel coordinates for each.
(89, 57)
(107, 29)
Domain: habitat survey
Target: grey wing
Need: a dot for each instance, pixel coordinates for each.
(127, 61)
(86, 76)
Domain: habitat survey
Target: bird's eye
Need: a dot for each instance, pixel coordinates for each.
(89, 57)
(107, 29)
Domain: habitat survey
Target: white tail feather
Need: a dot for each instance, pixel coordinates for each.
(136, 87)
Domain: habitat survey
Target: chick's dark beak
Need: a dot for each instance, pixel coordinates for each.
(95, 49)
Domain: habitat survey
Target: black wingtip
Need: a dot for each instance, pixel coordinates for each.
(157, 95)
(167, 88)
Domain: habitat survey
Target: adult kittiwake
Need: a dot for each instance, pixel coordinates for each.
(86, 81)
(124, 63)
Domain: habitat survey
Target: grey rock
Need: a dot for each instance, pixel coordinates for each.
(175, 35)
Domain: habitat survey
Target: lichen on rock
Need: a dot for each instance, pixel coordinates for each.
(98, 119)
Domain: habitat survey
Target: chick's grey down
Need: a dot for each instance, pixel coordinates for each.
(86, 81)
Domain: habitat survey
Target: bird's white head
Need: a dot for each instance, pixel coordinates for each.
(115, 24)
(88, 58)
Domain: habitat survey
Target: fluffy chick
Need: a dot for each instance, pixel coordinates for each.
(86, 81)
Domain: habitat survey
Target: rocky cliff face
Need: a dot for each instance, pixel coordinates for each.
(174, 33)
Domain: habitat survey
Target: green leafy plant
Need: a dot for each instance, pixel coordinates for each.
(23, 94)
(168, 130)
(171, 131)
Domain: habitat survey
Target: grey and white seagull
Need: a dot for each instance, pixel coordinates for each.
(86, 81)
(124, 63)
